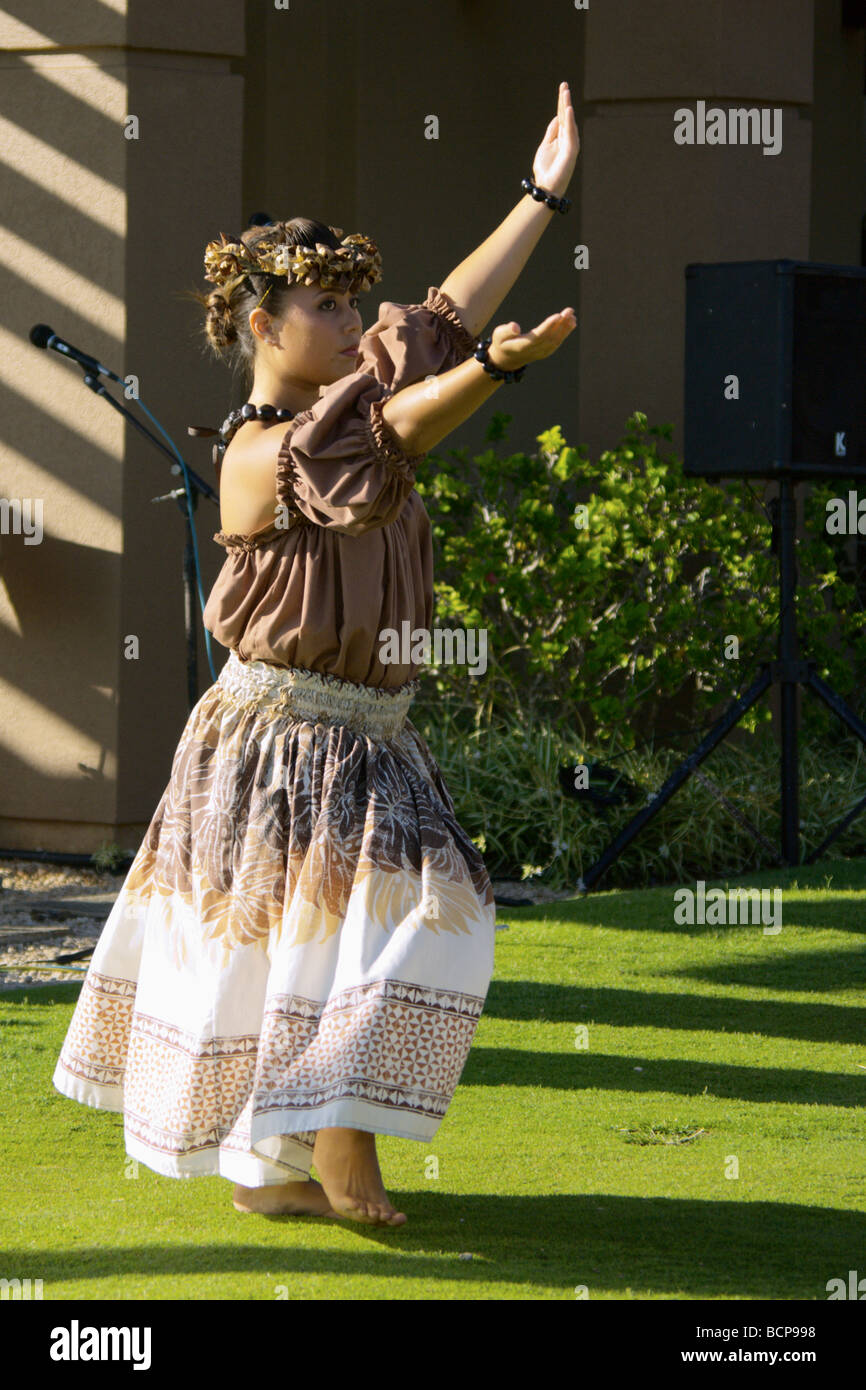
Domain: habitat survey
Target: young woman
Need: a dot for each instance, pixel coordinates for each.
(302, 948)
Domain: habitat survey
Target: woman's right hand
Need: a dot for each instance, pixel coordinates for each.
(510, 349)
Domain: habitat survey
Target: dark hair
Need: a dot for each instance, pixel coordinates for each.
(227, 326)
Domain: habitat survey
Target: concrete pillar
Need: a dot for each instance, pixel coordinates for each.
(101, 235)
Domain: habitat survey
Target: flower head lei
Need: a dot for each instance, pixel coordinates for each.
(354, 266)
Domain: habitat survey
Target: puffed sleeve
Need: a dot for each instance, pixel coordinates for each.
(411, 341)
(340, 466)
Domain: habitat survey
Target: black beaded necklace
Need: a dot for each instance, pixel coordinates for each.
(268, 414)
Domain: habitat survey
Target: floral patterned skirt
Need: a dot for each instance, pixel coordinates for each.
(304, 938)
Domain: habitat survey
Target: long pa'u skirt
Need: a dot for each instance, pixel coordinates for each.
(305, 937)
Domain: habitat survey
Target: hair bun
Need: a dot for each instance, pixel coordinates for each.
(219, 323)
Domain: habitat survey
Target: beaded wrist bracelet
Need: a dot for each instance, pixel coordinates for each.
(541, 195)
(480, 355)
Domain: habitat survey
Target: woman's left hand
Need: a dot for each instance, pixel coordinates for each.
(557, 154)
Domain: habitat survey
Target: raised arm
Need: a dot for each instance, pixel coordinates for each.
(481, 282)
(419, 417)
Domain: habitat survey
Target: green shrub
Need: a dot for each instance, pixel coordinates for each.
(600, 624)
(592, 629)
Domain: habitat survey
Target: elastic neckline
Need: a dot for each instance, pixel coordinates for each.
(236, 540)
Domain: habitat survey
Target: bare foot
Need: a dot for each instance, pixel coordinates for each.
(284, 1199)
(348, 1165)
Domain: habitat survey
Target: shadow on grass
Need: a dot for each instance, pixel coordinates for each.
(632, 1008)
(591, 1071)
(612, 907)
(658, 905)
(648, 1246)
(818, 971)
(39, 996)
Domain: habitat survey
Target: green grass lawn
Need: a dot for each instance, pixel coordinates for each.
(711, 1050)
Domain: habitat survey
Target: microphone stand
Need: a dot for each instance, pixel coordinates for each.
(179, 495)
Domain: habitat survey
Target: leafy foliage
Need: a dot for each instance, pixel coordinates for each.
(607, 587)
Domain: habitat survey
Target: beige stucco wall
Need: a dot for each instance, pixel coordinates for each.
(100, 233)
(320, 109)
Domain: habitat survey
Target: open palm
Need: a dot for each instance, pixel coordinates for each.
(557, 154)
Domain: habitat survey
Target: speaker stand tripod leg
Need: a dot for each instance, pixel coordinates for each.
(722, 727)
(840, 709)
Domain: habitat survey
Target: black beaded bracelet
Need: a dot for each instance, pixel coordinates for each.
(481, 356)
(541, 195)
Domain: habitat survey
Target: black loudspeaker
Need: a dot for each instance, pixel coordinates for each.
(793, 335)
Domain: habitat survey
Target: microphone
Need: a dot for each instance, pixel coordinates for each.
(42, 336)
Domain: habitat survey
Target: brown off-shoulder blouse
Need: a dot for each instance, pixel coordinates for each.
(351, 553)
